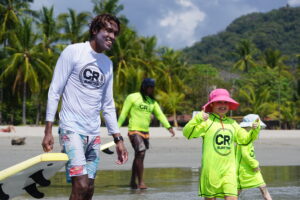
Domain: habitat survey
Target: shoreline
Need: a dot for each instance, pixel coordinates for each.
(155, 132)
(273, 148)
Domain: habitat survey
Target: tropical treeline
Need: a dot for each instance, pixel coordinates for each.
(31, 42)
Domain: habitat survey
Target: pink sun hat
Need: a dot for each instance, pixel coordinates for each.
(220, 94)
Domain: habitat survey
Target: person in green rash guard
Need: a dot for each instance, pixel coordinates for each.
(219, 132)
(248, 171)
(140, 106)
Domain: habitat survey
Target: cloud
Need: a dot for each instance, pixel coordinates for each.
(178, 27)
(294, 2)
(177, 23)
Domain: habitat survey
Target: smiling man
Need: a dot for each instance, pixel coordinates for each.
(83, 76)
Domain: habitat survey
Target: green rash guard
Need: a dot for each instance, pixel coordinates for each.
(140, 113)
(246, 163)
(218, 170)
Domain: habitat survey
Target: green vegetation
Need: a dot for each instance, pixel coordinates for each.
(277, 29)
(257, 58)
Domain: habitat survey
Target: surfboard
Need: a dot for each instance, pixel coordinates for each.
(26, 176)
(107, 145)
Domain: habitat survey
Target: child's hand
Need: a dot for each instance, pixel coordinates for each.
(255, 124)
(205, 116)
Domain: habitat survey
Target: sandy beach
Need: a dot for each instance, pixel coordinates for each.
(273, 148)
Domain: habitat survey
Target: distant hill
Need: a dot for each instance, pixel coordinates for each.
(277, 29)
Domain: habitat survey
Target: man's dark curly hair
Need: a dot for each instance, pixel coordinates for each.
(100, 22)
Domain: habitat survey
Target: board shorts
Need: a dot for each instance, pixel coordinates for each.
(83, 152)
(139, 140)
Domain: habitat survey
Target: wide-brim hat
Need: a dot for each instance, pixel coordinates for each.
(220, 94)
(249, 119)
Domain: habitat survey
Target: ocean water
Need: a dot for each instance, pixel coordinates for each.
(174, 183)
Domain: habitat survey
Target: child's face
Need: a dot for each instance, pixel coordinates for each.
(220, 107)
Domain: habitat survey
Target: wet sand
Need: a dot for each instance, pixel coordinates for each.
(273, 148)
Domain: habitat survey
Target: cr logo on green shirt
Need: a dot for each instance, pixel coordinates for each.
(145, 107)
(222, 141)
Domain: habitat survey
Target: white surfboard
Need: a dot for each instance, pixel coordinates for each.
(26, 176)
(107, 145)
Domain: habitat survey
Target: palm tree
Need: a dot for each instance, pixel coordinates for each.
(146, 57)
(244, 51)
(74, 26)
(273, 59)
(25, 62)
(256, 100)
(171, 101)
(123, 55)
(49, 34)
(173, 70)
(290, 113)
(109, 6)
(10, 10)
(49, 29)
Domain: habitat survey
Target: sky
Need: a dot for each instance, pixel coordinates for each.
(177, 23)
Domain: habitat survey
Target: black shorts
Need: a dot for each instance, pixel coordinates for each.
(139, 143)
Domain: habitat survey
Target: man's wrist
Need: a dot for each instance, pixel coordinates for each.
(48, 128)
(117, 138)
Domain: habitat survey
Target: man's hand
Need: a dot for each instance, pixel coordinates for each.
(255, 124)
(48, 140)
(256, 169)
(205, 115)
(122, 153)
(171, 130)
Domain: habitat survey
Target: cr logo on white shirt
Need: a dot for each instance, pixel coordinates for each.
(91, 77)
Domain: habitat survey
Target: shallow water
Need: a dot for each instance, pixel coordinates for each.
(175, 183)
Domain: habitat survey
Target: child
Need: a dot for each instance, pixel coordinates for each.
(218, 171)
(248, 170)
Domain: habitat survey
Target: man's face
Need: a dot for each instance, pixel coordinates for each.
(105, 37)
(150, 91)
(220, 107)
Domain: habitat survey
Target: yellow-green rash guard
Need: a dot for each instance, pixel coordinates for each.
(246, 163)
(140, 111)
(218, 170)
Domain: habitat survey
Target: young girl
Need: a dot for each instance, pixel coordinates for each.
(248, 170)
(218, 171)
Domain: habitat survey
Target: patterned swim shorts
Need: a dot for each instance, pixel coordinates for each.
(83, 152)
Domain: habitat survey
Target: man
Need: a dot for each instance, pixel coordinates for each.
(139, 106)
(83, 76)
(8, 129)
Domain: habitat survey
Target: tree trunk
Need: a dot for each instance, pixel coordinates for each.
(175, 119)
(279, 101)
(2, 84)
(1, 100)
(24, 105)
(37, 120)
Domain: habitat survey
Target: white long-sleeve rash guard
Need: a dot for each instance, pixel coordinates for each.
(84, 78)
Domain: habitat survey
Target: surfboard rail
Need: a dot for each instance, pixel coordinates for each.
(32, 161)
